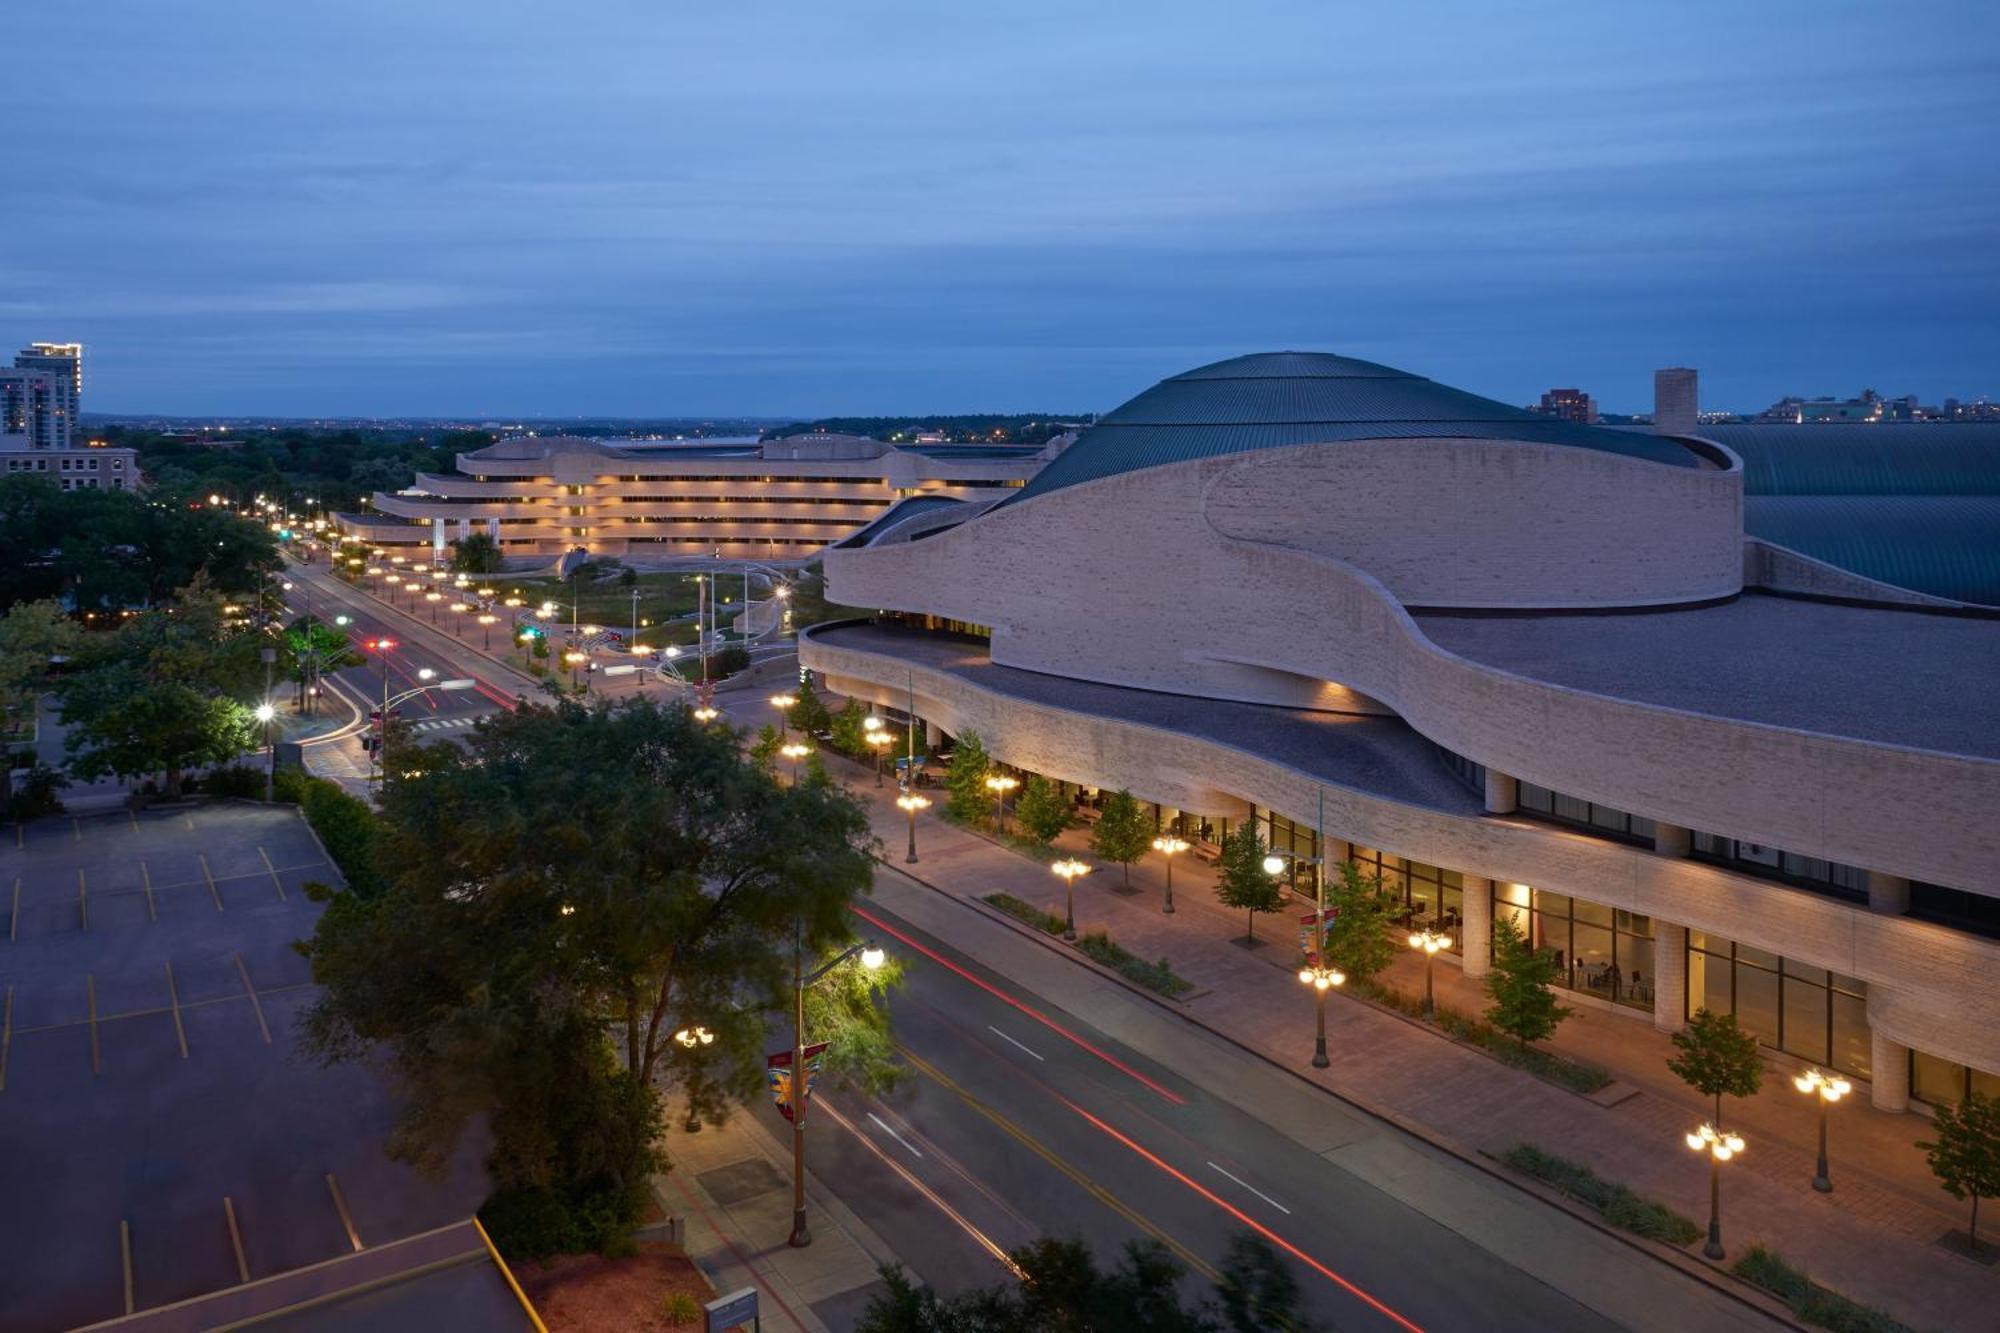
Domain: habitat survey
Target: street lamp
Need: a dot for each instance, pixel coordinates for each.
(1000, 785)
(1828, 1089)
(264, 714)
(909, 802)
(1169, 847)
(872, 957)
(795, 751)
(486, 623)
(879, 741)
(784, 704)
(1069, 870)
(575, 660)
(1429, 942)
(1720, 1147)
(434, 598)
(1322, 979)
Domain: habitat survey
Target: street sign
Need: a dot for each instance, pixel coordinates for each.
(733, 1311)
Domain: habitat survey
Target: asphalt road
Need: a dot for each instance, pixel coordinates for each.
(1023, 1120)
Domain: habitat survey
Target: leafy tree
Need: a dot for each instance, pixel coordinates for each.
(1361, 925)
(809, 714)
(559, 898)
(966, 796)
(37, 795)
(1965, 1155)
(476, 553)
(848, 727)
(1040, 810)
(764, 754)
(1524, 1000)
(1717, 1057)
(122, 723)
(31, 635)
(1259, 1290)
(1122, 833)
(1241, 880)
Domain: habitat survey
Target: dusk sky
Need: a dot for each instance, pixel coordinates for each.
(503, 209)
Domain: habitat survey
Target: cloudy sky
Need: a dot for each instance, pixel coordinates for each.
(658, 207)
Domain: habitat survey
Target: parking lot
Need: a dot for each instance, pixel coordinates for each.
(161, 1135)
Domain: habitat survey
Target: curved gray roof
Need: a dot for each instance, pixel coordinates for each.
(1273, 399)
(1890, 458)
(1945, 545)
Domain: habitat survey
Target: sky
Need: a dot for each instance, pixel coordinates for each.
(497, 209)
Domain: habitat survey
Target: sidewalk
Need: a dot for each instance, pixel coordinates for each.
(1874, 1238)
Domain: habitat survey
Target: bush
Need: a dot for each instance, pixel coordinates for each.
(680, 1308)
(1812, 1303)
(347, 826)
(536, 1221)
(35, 795)
(1616, 1204)
(1028, 912)
(1158, 977)
(235, 780)
(728, 661)
(1575, 1075)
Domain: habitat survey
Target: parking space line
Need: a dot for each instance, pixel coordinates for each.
(174, 998)
(189, 821)
(146, 876)
(125, 1248)
(6, 1037)
(209, 875)
(14, 920)
(274, 873)
(82, 902)
(235, 1238)
(131, 815)
(340, 1204)
(90, 990)
(255, 1005)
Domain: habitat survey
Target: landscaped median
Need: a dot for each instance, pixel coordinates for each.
(1158, 977)
(1576, 1075)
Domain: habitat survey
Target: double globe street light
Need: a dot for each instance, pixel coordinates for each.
(1169, 847)
(1070, 869)
(909, 803)
(1429, 943)
(1720, 1147)
(1826, 1089)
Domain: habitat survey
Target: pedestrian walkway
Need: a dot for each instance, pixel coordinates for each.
(1875, 1238)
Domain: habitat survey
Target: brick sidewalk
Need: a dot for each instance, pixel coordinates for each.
(1874, 1238)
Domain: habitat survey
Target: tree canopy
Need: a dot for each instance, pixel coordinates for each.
(1040, 810)
(1964, 1155)
(1360, 934)
(1520, 986)
(1241, 880)
(1122, 832)
(1716, 1057)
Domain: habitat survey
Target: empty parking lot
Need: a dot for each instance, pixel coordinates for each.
(160, 1133)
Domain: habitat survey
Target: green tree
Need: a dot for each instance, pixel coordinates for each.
(1259, 1290)
(1716, 1057)
(32, 635)
(1122, 833)
(1361, 926)
(764, 754)
(476, 553)
(966, 797)
(1520, 986)
(1040, 810)
(848, 728)
(122, 723)
(1241, 880)
(809, 714)
(1965, 1154)
(559, 898)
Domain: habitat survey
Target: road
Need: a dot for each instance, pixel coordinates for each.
(1024, 1119)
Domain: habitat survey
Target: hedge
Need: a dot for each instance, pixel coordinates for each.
(1812, 1303)
(1614, 1202)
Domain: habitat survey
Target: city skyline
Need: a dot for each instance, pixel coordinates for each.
(391, 213)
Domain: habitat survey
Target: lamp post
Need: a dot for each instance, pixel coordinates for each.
(1429, 942)
(795, 751)
(1322, 979)
(434, 598)
(264, 714)
(486, 623)
(691, 1038)
(575, 660)
(1169, 847)
(1315, 971)
(1720, 1147)
(1000, 784)
(1069, 870)
(1826, 1089)
(910, 803)
(782, 702)
(872, 958)
(879, 741)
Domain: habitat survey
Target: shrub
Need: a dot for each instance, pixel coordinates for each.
(1028, 912)
(1616, 1204)
(235, 780)
(36, 794)
(1812, 1303)
(536, 1221)
(680, 1308)
(1157, 977)
(728, 661)
(347, 826)
(1576, 1075)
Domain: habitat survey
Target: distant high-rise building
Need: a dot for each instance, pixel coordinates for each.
(64, 358)
(1676, 401)
(1570, 405)
(40, 400)
(48, 409)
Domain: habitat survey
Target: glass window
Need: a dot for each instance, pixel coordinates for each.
(1815, 975)
(1634, 962)
(1597, 914)
(1709, 983)
(1805, 1020)
(1851, 1047)
(1757, 1002)
(1756, 957)
(1551, 902)
(1935, 1080)
(1594, 961)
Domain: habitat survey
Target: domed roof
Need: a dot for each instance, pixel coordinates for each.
(1272, 399)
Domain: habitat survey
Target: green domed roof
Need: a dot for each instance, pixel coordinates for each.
(1273, 399)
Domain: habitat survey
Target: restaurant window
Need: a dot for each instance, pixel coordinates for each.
(1849, 883)
(1429, 896)
(1601, 951)
(1576, 812)
(1819, 1016)
(1936, 1080)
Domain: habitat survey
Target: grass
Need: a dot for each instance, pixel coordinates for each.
(1157, 977)
(1614, 1202)
(1810, 1302)
(1576, 1075)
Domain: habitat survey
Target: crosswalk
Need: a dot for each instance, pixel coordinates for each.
(443, 723)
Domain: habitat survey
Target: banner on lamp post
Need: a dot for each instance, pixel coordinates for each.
(1306, 932)
(778, 1074)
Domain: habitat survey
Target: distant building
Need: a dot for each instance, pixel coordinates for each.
(1676, 401)
(1570, 405)
(40, 401)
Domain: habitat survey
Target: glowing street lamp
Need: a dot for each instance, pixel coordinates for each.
(909, 802)
(872, 958)
(486, 623)
(784, 703)
(575, 660)
(1000, 784)
(265, 714)
(1322, 979)
(1826, 1089)
(1169, 847)
(879, 741)
(795, 751)
(1720, 1147)
(1069, 870)
(1429, 942)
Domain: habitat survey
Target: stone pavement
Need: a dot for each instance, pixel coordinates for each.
(1874, 1238)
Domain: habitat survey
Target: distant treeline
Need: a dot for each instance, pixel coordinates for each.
(969, 428)
(327, 469)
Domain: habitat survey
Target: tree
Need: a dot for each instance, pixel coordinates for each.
(1524, 1002)
(1717, 1058)
(122, 723)
(32, 635)
(966, 797)
(477, 553)
(558, 898)
(1965, 1155)
(809, 714)
(1040, 810)
(848, 729)
(1361, 924)
(764, 754)
(1241, 880)
(1122, 833)
(1259, 1290)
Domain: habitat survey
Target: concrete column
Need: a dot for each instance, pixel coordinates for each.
(1888, 894)
(1502, 792)
(933, 737)
(1476, 927)
(1670, 956)
(1889, 1062)
(1671, 840)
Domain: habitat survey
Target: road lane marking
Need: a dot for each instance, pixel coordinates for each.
(886, 1128)
(1252, 1188)
(209, 875)
(235, 1238)
(256, 1006)
(133, 817)
(1010, 1041)
(274, 873)
(174, 998)
(340, 1205)
(965, 1224)
(146, 877)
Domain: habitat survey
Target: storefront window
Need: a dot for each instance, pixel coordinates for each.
(1430, 896)
(1802, 1010)
(1602, 951)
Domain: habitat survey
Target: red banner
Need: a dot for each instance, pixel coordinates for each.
(778, 1074)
